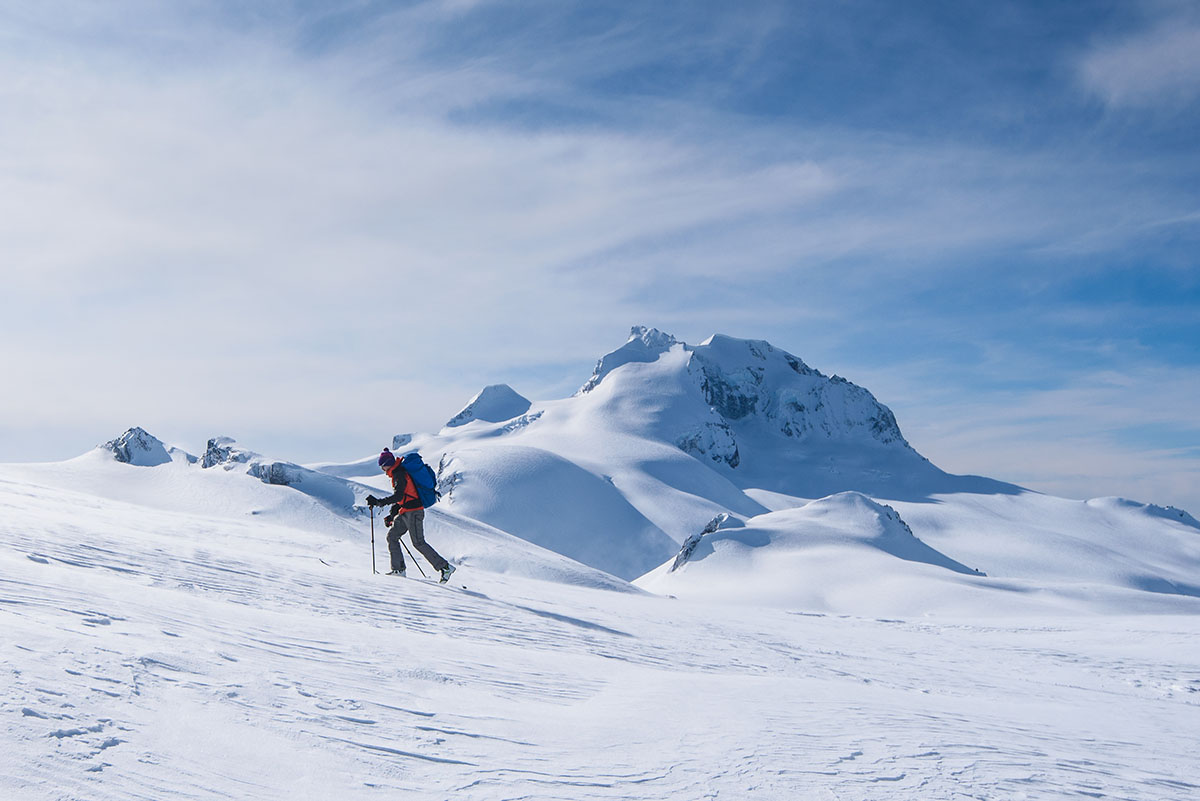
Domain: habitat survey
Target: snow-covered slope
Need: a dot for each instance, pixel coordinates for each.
(539, 491)
(237, 486)
(850, 554)
(185, 655)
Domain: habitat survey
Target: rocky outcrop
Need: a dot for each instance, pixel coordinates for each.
(713, 441)
(225, 451)
(137, 447)
(719, 522)
(748, 379)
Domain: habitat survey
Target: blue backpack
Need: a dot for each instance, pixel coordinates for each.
(423, 478)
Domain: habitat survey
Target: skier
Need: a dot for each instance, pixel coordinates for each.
(406, 514)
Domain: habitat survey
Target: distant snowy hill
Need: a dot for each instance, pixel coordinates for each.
(494, 404)
(850, 554)
(138, 447)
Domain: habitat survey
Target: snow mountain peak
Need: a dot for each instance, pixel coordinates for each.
(728, 397)
(494, 404)
(138, 447)
(644, 345)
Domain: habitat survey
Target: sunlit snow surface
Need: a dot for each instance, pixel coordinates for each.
(165, 645)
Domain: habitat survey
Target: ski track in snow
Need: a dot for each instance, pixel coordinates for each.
(151, 655)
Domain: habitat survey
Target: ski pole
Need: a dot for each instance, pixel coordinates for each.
(414, 559)
(373, 570)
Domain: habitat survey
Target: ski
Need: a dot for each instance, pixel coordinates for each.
(430, 581)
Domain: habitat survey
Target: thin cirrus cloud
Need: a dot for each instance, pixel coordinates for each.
(1153, 67)
(1043, 440)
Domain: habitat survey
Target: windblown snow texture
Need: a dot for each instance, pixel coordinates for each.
(180, 632)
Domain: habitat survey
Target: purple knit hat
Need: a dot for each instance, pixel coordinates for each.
(386, 459)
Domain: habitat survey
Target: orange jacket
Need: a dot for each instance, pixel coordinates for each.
(405, 494)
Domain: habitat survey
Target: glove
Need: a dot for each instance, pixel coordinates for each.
(372, 501)
(387, 521)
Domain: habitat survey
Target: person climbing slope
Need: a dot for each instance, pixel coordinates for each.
(406, 515)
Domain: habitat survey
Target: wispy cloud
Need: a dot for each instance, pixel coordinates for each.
(1078, 433)
(1153, 67)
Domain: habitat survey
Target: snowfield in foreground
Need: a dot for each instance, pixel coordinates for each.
(154, 652)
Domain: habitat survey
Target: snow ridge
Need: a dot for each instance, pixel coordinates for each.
(644, 345)
(336, 493)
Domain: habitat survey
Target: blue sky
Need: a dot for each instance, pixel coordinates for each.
(313, 225)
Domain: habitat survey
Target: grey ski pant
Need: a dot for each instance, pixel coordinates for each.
(412, 522)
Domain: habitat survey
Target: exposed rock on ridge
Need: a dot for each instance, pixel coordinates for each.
(644, 345)
(745, 378)
(137, 447)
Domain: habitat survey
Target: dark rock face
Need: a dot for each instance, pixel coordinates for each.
(727, 398)
(284, 474)
(714, 441)
(224, 450)
(753, 384)
(689, 545)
